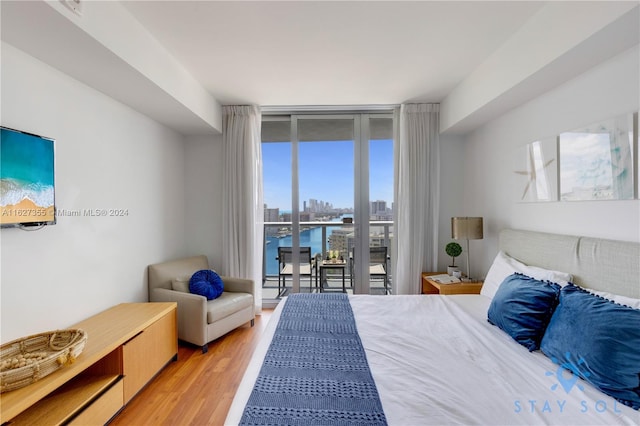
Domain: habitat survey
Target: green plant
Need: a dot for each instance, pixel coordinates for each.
(454, 250)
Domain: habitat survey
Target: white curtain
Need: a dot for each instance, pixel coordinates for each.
(242, 200)
(417, 193)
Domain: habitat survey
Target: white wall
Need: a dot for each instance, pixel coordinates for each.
(451, 193)
(495, 151)
(541, 54)
(107, 157)
(203, 192)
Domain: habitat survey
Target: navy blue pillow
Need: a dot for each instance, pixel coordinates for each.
(522, 307)
(602, 340)
(206, 283)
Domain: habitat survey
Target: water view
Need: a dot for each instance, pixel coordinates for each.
(308, 238)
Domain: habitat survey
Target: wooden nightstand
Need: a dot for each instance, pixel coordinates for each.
(431, 287)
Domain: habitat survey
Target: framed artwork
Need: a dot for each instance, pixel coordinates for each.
(540, 172)
(597, 161)
(27, 179)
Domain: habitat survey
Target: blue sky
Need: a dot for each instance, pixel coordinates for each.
(326, 172)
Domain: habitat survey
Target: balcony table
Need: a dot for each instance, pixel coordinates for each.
(328, 264)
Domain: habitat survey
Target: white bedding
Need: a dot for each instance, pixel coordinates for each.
(430, 369)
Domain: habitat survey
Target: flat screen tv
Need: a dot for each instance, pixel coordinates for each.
(27, 179)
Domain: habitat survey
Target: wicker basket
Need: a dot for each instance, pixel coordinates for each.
(29, 359)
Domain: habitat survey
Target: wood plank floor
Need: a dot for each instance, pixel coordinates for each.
(198, 388)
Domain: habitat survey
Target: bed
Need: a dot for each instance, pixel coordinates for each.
(437, 360)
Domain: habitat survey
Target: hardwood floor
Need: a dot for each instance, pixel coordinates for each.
(198, 388)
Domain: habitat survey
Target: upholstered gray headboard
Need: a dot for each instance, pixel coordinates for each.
(599, 264)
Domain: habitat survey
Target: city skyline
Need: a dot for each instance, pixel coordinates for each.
(320, 206)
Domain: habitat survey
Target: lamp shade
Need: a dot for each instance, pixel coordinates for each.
(466, 228)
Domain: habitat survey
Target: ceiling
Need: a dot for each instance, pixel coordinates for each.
(331, 52)
(179, 62)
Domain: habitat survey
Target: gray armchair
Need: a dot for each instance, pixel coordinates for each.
(200, 320)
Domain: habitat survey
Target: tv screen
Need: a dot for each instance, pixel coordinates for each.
(27, 179)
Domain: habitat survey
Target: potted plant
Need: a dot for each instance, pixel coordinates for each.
(454, 250)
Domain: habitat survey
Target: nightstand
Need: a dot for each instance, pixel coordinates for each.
(431, 287)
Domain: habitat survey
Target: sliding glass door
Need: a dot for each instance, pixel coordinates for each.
(379, 139)
(317, 181)
(326, 188)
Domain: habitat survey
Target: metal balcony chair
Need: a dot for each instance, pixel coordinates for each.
(378, 265)
(285, 266)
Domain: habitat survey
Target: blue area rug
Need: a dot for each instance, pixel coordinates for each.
(315, 371)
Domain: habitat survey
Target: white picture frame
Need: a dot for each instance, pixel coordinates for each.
(597, 162)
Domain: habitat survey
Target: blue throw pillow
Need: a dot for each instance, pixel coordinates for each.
(206, 283)
(522, 307)
(599, 340)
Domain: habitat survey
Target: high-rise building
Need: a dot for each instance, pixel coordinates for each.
(378, 207)
(271, 215)
(379, 211)
(317, 206)
(307, 216)
(342, 240)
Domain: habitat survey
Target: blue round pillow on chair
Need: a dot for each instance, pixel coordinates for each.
(206, 283)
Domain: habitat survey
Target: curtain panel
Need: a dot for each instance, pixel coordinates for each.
(242, 199)
(417, 195)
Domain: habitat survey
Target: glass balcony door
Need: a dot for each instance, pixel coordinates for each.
(379, 138)
(317, 173)
(325, 193)
(374, 205)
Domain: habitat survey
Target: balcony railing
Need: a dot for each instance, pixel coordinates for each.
(321, 237)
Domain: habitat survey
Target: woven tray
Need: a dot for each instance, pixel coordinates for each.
(29, 359)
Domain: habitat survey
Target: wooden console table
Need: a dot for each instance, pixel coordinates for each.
(126, 347)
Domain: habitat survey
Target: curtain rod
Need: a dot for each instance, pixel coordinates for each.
(293, 109)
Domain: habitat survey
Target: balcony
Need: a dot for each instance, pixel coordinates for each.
(321, 237)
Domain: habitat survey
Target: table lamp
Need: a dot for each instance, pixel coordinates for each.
(466, 228)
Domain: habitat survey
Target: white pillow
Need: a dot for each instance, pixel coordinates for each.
(622, 300)
(505, 265)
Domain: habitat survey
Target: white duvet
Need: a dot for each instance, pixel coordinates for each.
(437, 361)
